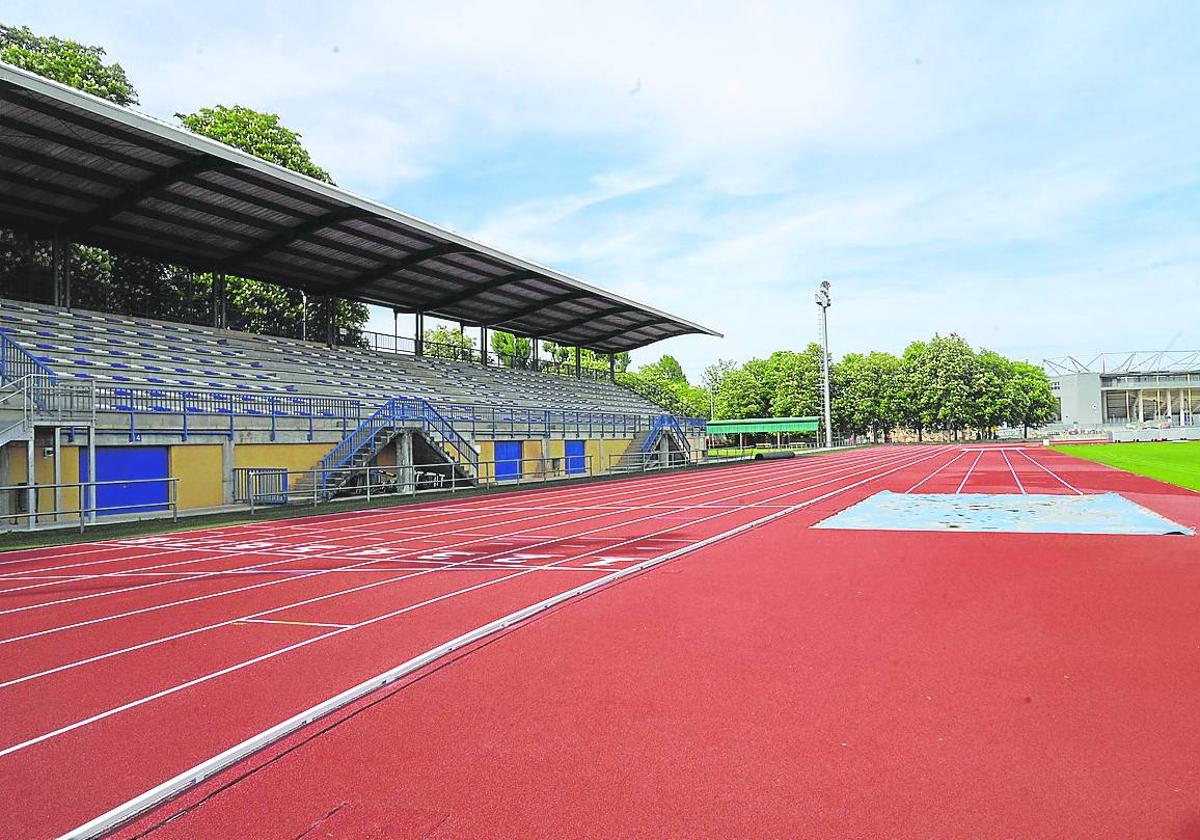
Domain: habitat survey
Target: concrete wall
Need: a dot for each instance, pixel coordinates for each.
(1079, 394)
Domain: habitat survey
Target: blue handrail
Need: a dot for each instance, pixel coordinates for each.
(393, 412)
(16, 362)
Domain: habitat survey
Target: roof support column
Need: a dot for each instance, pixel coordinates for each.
(612, 367)
(534, 351)
(218, 300)
(578, 363)
(61, 256)
(419, 329)
(483, 344)
(330, 320)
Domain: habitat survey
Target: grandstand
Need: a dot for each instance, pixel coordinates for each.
(194, 416)
(1152, 395)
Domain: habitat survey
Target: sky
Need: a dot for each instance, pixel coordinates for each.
(1024, 174)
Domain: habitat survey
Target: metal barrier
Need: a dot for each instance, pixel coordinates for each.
(87, 510)
(275, 486)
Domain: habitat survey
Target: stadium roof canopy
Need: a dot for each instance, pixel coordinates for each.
(1137, 361)
(108, 176)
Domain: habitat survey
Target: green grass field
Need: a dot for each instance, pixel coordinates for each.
(1176, 463)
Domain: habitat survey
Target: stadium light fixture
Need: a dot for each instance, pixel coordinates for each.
(824, 302)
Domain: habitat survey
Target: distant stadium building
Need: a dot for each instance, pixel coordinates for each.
(1130, 396)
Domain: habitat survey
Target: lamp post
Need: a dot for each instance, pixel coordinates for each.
(824, 302)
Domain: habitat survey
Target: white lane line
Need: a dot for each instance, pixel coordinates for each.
(295, 623)
(449, 508)
(374, 620)
(195, 775)
(1055, 475)
(1020, 486)
(935, 472)
(807, 469)
(150, 643)
(963, 483)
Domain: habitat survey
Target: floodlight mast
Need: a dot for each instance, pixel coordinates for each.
(824, 302)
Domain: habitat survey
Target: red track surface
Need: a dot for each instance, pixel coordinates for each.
(784, 682)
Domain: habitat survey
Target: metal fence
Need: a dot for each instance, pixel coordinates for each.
(25, 499)
(260, 487)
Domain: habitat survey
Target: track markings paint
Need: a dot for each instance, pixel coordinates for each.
(1055, 475)
(1020, 486)
(966, 477)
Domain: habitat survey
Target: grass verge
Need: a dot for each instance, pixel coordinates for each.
(1174, 463)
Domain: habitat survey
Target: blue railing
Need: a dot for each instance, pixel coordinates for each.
(537, 422)
(665, 424)
(16, 362)
(391, 414)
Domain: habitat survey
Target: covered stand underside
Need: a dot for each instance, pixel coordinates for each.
(104, 175)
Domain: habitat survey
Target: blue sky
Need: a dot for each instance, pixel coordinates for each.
(1025, 174)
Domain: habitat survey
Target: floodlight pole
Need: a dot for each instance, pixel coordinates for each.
(824, 302)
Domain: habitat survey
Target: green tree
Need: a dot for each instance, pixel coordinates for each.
(1031, 401)
(514, 351)
(256, 133)
(744, 392)
(666, 368)
(795, 380)
(445, 343)
(867, 394)
(264, 307)
(78, 65)
(990, 405)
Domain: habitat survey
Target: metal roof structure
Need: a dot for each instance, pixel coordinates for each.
(108, 176)
(1137, 361)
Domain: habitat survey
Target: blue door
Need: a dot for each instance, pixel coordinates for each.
(123, 464)
(575, 457)
(508, 460)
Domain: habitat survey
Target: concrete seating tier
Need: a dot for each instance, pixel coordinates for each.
(267, 374)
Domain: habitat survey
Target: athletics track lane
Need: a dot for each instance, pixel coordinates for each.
(118, 673)
(791, 682)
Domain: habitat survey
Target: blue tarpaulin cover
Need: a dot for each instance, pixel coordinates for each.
(1102, 513)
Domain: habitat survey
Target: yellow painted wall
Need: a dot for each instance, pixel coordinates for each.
(198, 468)
(288, 456)
(43, 473)
(386, 457)
(487, 453)
(532, 465)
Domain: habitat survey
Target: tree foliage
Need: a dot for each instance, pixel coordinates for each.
(143, 286)
(442, 342)
(80, 66)
(257, 133)
(941, 385)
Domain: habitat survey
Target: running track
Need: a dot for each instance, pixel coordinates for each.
(128, 662)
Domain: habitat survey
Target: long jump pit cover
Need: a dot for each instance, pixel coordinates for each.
(1101, 513)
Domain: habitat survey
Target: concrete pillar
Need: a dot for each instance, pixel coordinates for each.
(406, 475)
(228, 460)
(30, 492)
(1170, 411)
(58, 493)
(1141, 414)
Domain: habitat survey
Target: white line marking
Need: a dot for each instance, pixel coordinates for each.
(1055, 475)
(808, 470)
(195, 775)
(1020, 486)
(150, 643)
(293, 623)
(935, 472)
(963, 483)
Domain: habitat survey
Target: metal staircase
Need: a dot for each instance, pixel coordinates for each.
(345, 461)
